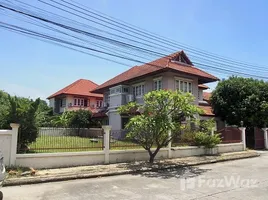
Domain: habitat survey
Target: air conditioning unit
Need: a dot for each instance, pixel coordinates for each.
(130, 98)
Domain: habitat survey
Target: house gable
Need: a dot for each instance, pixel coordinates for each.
(181, 58)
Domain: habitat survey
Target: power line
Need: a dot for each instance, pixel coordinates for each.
(191, 50)
(127, 58)
(162, 38)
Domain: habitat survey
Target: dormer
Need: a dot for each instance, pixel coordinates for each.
(181, 58)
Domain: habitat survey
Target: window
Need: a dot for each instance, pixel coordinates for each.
(79, 102)
(99, 103)
(63, 102)
(119, 89)
(125, 90)
(158, 84)
(184, 85)
(138, 90)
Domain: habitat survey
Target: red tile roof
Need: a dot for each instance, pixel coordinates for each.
(157, 66)
(81, 87)
(207, 110)
(204, 87)
(206, 96)
(100, 115)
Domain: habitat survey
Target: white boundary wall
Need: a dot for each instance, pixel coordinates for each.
(8, 144)
(54, 160)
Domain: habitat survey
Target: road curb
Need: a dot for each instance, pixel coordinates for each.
(66, 177)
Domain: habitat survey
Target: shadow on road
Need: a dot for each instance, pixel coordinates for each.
(164, 170)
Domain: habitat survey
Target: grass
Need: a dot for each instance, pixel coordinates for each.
(53, 144)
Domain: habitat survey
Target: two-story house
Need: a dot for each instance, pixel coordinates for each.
(76, 96)
(175, 72)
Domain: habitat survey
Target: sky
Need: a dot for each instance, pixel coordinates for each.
(234, 29)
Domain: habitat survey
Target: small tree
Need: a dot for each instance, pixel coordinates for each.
(162, 111)
(22, 111)
(81, 119)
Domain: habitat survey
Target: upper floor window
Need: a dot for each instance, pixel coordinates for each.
(158, 84)
(138, 90)
(184, 85)
(79, 102)
(119, 89)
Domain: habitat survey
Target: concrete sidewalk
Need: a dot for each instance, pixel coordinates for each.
(62, 174)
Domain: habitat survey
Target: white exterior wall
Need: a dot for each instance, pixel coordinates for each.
(115, 120)
(55, 160)
(5, 144)
(52, 103)
(8, 144)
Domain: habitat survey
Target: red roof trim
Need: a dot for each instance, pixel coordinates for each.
(156, 66)
(81, 87)
(203, 86)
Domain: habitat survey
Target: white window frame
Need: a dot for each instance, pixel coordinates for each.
(139, 89)
(180, 84)
(119, 89)
(79, 102)
(157, 82)
(99, 103)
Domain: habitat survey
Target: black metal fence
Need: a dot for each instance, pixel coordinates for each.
(54, 139)
(119, 141)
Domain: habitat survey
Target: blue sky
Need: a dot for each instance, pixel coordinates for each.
(235, 29)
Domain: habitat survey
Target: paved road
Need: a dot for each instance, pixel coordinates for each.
(243, 179)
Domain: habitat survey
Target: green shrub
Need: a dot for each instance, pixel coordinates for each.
(200, 139)
(206, 140)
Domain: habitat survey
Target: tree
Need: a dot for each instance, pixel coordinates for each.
(43, 115)
(4, 110)
(162, 112)
(241, 99)
(22, 111)
(27, 112)
(79, 119)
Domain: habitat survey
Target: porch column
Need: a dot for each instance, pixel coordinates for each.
(107, 130)
(265, 138)
(243, 136)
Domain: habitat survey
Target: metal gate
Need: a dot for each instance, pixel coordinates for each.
(259, 138)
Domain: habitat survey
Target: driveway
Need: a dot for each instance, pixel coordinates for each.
(242, 179)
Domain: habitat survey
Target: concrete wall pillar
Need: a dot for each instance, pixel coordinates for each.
(265, 138)
(107, 130)
(14, 143)
(243, 136)
(169, 145)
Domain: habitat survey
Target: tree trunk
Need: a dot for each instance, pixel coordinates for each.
(151, 160)
(152, 155)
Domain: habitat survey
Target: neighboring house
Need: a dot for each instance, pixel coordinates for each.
(175, 72)
(76, 96)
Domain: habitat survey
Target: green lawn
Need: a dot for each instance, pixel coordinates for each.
(50, 144)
